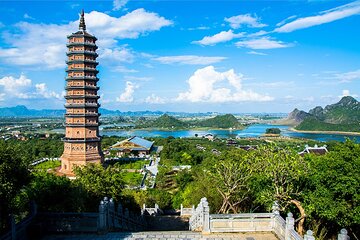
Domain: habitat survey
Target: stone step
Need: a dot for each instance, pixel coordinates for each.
(167, 223)
(167, 235)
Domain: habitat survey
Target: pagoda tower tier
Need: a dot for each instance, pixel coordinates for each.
(82, 142)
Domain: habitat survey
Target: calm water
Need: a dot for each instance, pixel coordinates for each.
(252, 131)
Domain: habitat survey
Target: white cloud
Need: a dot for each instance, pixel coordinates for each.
(285, 20)
(348, 76)
(198, 28)
(127, 95)
(27, 16)
(323, 17)
(116, 54)
(245, 19)
(256, 53)
(153, 99)
(2, 97)
(14, 85)
(262, 43)
(118, 4)
(188, 59)
(22, 88)
(202, 88)
(223, 36)
(346, 93)
(42, 90)
(123, 69)
(44, 45)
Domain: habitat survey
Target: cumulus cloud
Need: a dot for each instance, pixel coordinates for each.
(118, 54)
(14, 85)
(42, 90)
(118, 4)
(346, 93)
(262, 43)
(188, 60)
(44, 44)
(203, 88)
(223, 36)
(245, 19)
(331, 15)
(153, 99)
(22, 88)
(127, 95)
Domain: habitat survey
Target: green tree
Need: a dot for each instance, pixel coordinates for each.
(230, 175)
(334, 194)
(100, 181)
(14, 175)
(280, 177)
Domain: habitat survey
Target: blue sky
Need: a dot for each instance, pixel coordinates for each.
(195, 56)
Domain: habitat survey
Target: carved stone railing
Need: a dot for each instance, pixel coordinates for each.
(199, 220)
(155, 211)
(108, 218)
(20, 229)
(186, 211)
(202, 221)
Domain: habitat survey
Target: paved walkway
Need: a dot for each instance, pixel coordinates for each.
(168, 235)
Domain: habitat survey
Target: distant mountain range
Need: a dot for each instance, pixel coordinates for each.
(341, 116)
(22, 111)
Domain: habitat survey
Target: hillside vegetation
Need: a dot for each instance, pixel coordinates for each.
(342, 116)
(221, 121)
(170, 122)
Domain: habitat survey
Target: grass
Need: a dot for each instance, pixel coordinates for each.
(132, 178)
(135, 165)
(48, 165)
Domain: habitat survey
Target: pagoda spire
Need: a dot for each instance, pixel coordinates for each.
(82, 25)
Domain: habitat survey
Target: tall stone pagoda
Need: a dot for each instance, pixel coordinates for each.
(82, 141)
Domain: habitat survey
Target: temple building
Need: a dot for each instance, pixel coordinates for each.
(135, 145)
(82, 141)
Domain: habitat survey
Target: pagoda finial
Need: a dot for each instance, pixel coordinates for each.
(82, 25)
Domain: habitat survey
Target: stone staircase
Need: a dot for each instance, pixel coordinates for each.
(167, 223)
(167, 235)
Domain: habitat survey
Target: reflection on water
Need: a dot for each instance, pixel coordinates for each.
(252, 131)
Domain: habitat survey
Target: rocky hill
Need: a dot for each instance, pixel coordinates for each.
(341, 116)
(297, 116)
(165, 121)
(221, 121)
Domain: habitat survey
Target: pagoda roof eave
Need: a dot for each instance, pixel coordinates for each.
(81, 34)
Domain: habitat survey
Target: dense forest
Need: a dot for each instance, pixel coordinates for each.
(323, 192)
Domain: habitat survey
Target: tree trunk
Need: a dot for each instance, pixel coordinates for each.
(300, 227)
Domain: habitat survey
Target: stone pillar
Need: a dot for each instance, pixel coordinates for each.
(309, 235)
(206, 217)
(102, 227)
(13, 227)
(290, 222)
(276, 212)
(343, 235)
(276, 208)
(126, 219)
(111, 213)
(120, 215)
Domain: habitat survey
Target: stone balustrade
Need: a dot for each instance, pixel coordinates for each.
(202, 221)
(186, 211)
(155, 211)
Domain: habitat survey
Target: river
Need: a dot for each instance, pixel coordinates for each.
(255, 130)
